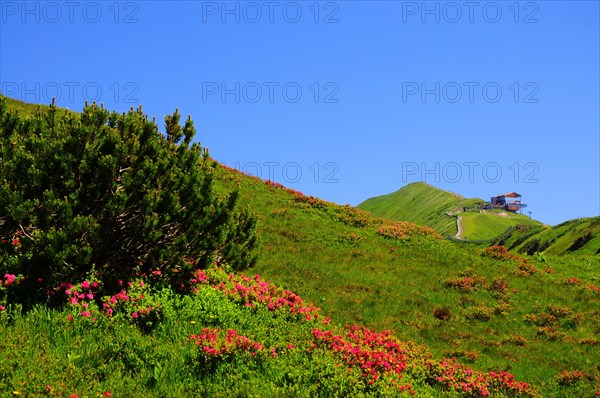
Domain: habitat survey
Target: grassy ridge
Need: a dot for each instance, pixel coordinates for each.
(419, 203)
(424, 204)
(580, 236)
(488, 224)
(357, 276)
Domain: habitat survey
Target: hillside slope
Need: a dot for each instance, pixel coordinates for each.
(535, 317)
(580, 236)
(333, 256)
(419, 203)
(424, 204)
(488, 224)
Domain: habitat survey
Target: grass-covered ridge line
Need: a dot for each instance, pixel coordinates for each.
(533, 317)
(488, 224)
(581, 236)
(360, 278)
(419, 203)
(426, 205)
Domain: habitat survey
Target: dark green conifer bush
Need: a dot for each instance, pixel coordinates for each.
(107, 191)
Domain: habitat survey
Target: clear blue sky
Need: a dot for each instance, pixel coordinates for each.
(342, 100)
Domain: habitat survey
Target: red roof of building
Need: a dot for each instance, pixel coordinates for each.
(511, 195)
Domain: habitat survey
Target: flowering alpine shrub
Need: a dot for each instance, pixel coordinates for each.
(469, 356)
(499, 288)
(568, 378)
(558, 312)
(9, 284)
(274, 184)
(352, 216)
(380, 355)
(482, 313)
(10, 252)
(516, 340)
(405, 230)
(375, 353)
(457, 377)
(82, 299)
(467, 283)
(109, 189)
(350, 238)
(310, 201)
(593, 287)
(501, 253)
(252, 292)
(542, 319)
(132, 303)
(572, 281)
(550, 332)
(214, 346)
(135, 303)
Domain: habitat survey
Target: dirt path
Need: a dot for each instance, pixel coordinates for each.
(459, 228)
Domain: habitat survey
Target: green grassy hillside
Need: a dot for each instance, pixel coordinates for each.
(492, 310)
(421, 204)
(490, 223)
(424, 204)
(580, 236)
(338, 262)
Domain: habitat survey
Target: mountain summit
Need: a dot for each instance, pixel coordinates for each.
(449, 213)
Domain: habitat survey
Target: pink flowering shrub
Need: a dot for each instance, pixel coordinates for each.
(516, 340)
(593, 287)
(216, 346)
(81, 299)
(135, 303)
(9, 286)
(577, 281)
(377, 354)
(352, 216)
(568, 378)
(253, 292)
(380, 355)
(310, 201)
(467, 283)
(469, 356)
(10, 252)
(481, 312)
(524, 267)
(457, 377)
(553, 320)
(405, 230)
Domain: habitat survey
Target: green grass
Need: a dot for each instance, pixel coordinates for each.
(581, 236)
(333, 257)
(489, 224)
(398, 285)
(424, 204)
(419, 203)
(43, 354)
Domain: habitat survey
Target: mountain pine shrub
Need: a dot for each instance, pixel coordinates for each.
(108, 192)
